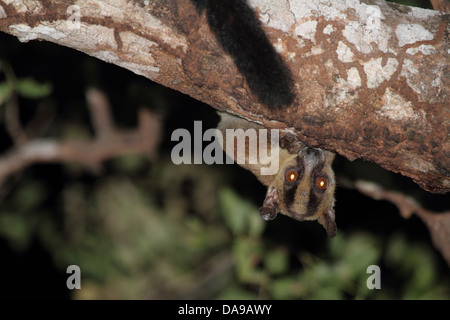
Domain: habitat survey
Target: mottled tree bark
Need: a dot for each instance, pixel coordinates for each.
(372, 78)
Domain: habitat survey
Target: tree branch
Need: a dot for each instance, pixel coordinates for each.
(441, 5)
(438, 224)
(12, 118)
(372, 77)
(109, 142)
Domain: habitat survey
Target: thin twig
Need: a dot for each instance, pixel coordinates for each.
(100, 111)
(12, 118)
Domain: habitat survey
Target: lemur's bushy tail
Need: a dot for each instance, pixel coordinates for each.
(239, 32)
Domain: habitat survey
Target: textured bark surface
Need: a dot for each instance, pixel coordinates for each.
(372, 78)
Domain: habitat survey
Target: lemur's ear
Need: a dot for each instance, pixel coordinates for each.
(290, 142)
(269, 210)
(327, 220)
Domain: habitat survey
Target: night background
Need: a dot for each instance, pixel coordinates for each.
(144, 228)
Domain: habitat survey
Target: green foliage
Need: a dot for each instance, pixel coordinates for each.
(419, 265)
(16, 229)
(277, 261)
(5, 92)
(32, 89)
(29, 196)
(17, 220)
(157, 236)
(129, 163)
(240, 216)
(25, 87)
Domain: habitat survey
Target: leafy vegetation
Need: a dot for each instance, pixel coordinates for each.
(153, 237)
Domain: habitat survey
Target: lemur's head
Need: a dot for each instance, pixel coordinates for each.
(303, 189)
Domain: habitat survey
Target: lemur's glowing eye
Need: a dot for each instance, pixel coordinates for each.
(322, 183)
(291, 176)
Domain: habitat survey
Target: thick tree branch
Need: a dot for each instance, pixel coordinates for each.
(372, 78)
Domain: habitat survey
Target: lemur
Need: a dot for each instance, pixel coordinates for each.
(303, 188)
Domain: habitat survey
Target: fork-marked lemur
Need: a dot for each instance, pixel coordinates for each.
(303, 187)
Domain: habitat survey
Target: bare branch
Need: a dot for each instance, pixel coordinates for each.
(438, 224)
(12, 121)
(109, 143)
(100, 113)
